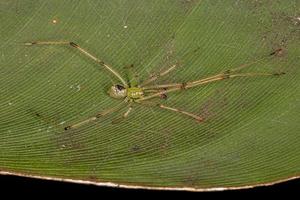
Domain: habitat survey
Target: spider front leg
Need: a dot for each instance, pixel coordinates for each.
(156, 76)
(97, 116)
(83, 51)
(167, 71)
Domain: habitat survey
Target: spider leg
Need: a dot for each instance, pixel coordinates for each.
(254, 62)
(194, 116)
(156, 76)
(187, 85)
(236, 69)
(94, 118)
(155, 90)
(83, 51)
(239, 68)
(168, 70)
(124, 116)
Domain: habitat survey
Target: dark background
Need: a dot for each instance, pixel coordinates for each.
(20, 185)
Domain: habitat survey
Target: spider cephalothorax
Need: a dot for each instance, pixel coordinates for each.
(134, 92)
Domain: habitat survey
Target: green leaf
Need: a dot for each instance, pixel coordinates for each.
(250, 135)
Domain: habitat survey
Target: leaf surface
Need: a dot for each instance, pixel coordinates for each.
(250, 135)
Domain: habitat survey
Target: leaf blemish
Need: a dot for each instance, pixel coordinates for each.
(277, 52)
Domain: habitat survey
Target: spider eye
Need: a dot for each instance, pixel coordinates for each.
(120, 87)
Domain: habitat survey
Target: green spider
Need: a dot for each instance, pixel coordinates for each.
(133, 92)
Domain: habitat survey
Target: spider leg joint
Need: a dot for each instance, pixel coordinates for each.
(279, 73)
(99, 115)
(226, 75)
(29, 43)
(73, 44)
(183, 86)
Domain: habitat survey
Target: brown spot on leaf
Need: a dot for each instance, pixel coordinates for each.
(214, 105)
(143, 142)
(92, 178)
(278, 52)
(188, 5)
(43, 119)
(135, 148)
(283, 30)
(67, 140)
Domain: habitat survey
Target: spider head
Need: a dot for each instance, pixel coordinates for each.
(117, 91)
